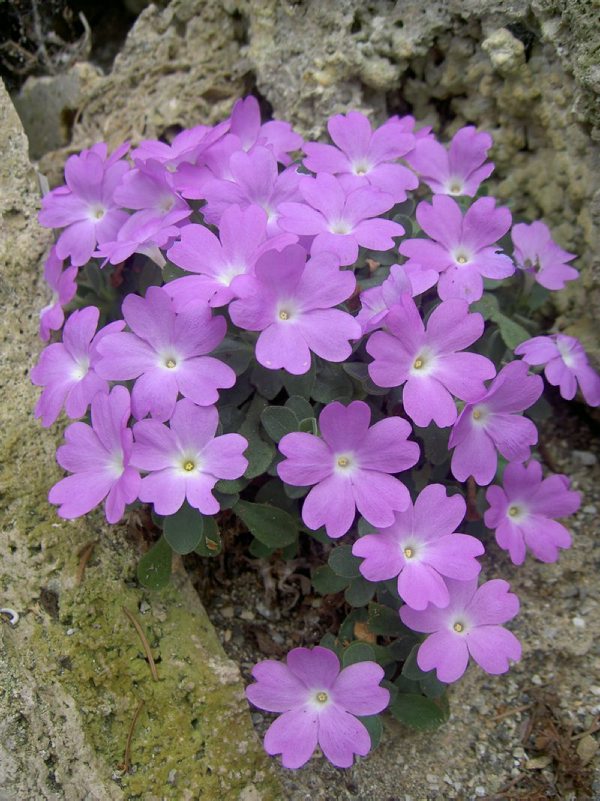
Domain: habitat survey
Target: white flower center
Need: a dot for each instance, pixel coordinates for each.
(462, 257)
(80, 368)
(166, 203)
(341, 227)
(517, 512)
(229, 272)
(361, 167)
(454, 186)
(344, 463)
(566, 352)
(97, 212)
(423, 364)
(479, 415)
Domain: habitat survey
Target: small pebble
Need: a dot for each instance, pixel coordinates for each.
(479, 791)
(227, 611)
(70, 632)
(247, 614)
(590, 509)
(586, 458)
(578, 622)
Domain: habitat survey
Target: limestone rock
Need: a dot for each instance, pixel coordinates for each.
(73, 668)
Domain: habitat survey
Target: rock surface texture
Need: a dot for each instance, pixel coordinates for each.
(73, 668)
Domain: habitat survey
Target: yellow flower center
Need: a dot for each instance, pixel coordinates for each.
(461, 260)
(171, 363)
(343, 461)
(476, 414)
(418, 364)
(513, 511)
(189, 466)
(283, 315)
(409, 553)
(322, 697)
(458, 627)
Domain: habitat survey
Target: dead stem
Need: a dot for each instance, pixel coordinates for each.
(145, 643)
(84, 554)
(126, 764)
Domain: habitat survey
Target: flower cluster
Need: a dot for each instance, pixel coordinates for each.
(244, 321)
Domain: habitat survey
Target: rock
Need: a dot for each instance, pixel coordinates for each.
(587, 748)
(586, 458)
(73, 669)
(506, 52)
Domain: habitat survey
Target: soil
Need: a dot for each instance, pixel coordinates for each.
(530, 734)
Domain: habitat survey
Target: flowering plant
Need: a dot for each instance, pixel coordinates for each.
(320, 340)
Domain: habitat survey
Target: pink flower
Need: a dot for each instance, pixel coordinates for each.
(150, 188)
(363, 157)
(463, 249)
(492, 423)
(166, 354)
(185, 148)
(186, 460)
(275, 135)
(66, 369)
(143, 232)
(522, 512)
(469, 626)
(350, 467)
(566, 365)
(377, 301)
(86, 207)
(460, 169)
(289, 300)
(426, 360)
(242, 240)
(319, 704)
(341, 220)
(98, 456)
(63, 286)
(421, 548)
(536, 253)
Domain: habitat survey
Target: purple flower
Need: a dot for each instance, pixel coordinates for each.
(536, 253)
(63, 286)
(319, 703)
(66, 369)
(350, 468)
(340, 220)
(144, 232)
(86, 207)
(566, 365)
(186, 460)
(275, 135)
(255, 181)
(492, 423)
(463, 249)
(166, 354)
(243, 239)
(421, 548)
(363, 157)
(426, 361)
(98, 456)
(469, 626)
(150, 188)
(522, 512)
(458, 170)
(185, 148)
(377, 301)
(289, 300)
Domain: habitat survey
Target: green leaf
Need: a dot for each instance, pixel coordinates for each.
(487, 306)
(374, 726)
(332, 384)
(435, 443)
(278, 421)
(211, 543)
(272, 493)
(343, 563)
(329, 641)
(431, 686)
(326, 582)
(259, 550)
(295, 492)
(183, 530)
(231, 486)
(360, 591)
(154, 568)
(358, 652)
(419, 712)
(512, 333)
(268, 382)
(234, 352)
(259, 453)
(309, 426)
(300, 406)
(540, 411)
(384, 620)
(410, 668)
(301, 385)
(346, 630)
(270, 525)
(226, 500)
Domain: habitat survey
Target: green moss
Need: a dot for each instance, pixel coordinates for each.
(193, 734)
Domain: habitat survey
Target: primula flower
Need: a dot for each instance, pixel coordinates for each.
(566, 365)
(185, 148)
(463, 249)
(421, 548)
(340, 220)
(426, 361)
(242, 240)
(98, 456)
(150, 188)
(319, 703)
(350, 467)
(186, 460)
(536, 253)
(66, 369)
(144, 232)
(377, 301)
(276, 135)
(63, 286)
(86, 207)
(522, 512)
(166, 354)
(458, 170)
(492, 423)
(471, 625)
(289, 300)
(255, 181)
(363, 157)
